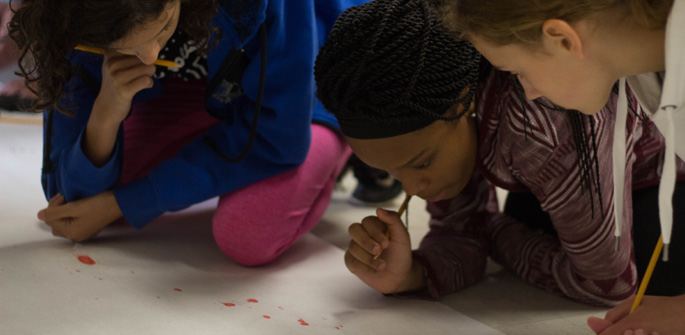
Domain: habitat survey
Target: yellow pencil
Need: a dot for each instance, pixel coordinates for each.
(161, 62)
(403, 207)
(648, 274)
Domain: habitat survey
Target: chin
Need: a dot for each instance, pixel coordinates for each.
(453, 192)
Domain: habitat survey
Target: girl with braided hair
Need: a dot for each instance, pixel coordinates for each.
(427, 108)
(574, 52)
(237, 118)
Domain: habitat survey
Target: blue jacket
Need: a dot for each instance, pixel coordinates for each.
(296, 29)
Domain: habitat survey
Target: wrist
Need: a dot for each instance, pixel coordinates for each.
(415, 280)
(114, 211)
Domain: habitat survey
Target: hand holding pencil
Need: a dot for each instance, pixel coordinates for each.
(396, 270)
(644, 314)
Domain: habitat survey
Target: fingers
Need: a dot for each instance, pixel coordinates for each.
(394, 225)
(129, 74)
(368, 235)
(364, 261)
(56, 200)
(362, 269)
(597, 324)
(618, 312)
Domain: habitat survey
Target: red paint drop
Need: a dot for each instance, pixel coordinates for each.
(337, 327)
(253, 300)
(302, 322)
(77, 270)
(266, 316)
(157, 297)
(86, 260)
(229, 304)
(281, 308)
(178, 290)
(100, 278)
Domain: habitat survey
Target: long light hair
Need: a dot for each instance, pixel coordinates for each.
(505, 22)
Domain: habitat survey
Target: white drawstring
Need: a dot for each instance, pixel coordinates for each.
(668, 179)
(619, 158)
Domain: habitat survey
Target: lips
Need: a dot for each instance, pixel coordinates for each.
(438, 196)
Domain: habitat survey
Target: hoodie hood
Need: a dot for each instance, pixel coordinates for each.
(667, 112)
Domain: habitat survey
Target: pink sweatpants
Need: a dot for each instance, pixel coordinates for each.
(255, 224)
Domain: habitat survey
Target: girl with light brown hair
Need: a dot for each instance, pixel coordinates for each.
(574, 53)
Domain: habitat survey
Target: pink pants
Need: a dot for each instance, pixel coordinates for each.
(255, 224)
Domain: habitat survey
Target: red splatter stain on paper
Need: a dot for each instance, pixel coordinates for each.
(178, 290)
(99, 278)
(253, 300)
(229, 304)
(303, 323)
(281, 308)
(157, 297)
(86, 260)
(266, 316)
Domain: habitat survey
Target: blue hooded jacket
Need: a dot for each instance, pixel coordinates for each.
(295, 30)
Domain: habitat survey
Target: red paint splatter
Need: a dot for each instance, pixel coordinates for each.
(337, 327)
(253, 300)
(157, 297)
(302, 322)
(100, 278)
(229, 304)
(178, 290)
(266, 316)
(77, 270)
(86, 260)
(281, 308)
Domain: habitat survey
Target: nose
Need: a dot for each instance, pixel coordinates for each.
(413, 186)
(530, 91)
(148, 53)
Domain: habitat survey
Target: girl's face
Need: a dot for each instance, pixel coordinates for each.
(146, 41)
(434, 163)
(568, 78)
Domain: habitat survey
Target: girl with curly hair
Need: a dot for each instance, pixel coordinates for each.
(237, 116)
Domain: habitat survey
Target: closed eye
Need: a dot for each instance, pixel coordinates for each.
(424, 165)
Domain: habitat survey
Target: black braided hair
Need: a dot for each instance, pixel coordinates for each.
(389, 68)
(586, 148)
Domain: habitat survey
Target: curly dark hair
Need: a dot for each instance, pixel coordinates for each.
(390, 64)
(47, 30)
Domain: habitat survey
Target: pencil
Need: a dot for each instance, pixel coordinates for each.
(403, 207)
(161, 62)
(648, 274)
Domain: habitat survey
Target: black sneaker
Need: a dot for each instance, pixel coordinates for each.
(375, 187)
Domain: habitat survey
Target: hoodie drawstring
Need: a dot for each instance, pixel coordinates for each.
(619, 159)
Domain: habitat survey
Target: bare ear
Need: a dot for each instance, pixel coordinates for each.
(560, 35)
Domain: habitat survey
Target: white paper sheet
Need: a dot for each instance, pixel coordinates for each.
(170, 278)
